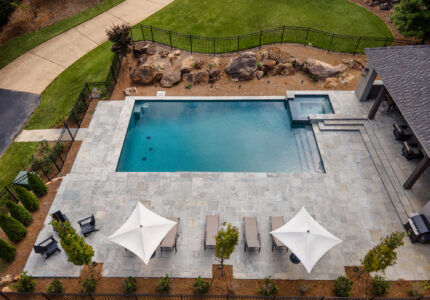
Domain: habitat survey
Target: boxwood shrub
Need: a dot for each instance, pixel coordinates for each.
(37, 185)
(7, 251)
(14, 230)
(27, 198)
(18, 212)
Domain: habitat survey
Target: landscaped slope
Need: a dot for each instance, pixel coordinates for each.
(233, 17)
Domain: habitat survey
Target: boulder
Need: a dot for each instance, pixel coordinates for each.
(146, 75)
(150, 49)
(7, 289)
(163, 53)
(189, 63)
(130, 91)
(170, 79)
(6, 279)
(142, 60)
(346, 78)
(322, 70)
(196, 77)
(242, 67)
(331, 82)
(264, 54)
(268, 65)
(284, 69)
(385, 6)
(278, 55)
(160, 65)
(259, 74)
(215, 63)
(214, 75)
(139, 48)
(177, 53)
(298, 64)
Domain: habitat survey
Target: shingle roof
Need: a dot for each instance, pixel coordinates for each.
(405, 72)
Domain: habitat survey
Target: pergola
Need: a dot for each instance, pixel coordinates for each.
(405, 73)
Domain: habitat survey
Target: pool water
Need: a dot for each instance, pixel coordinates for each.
(304, 105)
(215, 136)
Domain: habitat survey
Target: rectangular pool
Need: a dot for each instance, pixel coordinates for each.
(216, 136)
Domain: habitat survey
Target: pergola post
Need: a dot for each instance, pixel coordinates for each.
(422, 166)
(377, 103)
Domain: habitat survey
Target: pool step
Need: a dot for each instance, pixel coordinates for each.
(310, 160)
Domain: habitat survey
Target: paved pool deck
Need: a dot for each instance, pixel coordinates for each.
(358, 199)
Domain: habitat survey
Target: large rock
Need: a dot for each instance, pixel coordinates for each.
(322, 70)
(160, 65)
(278, 55)
(346, 78)
(214, 75)
(163, 53)
(150, 49)
(142, 60)
(170, 79)
(190, 63)
(146, 75)
(298, 64)
(284, 69)
(5, 280)
(331, 82)
(142, 47)
(242, 67)
(196, 77)
(268, 65)
(259, 74)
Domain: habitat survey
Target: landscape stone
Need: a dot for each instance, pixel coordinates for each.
(146, 75)
(6, 279)
(284, 69)
(259, 74)
(268, 65)
(279, 55)
(242, 67)
(322, 70)
(195, 78)
(142, 60)
(139, 48)
(170, 79)
(163, 53)
(190, 63)
(214, 75)
(331, 82)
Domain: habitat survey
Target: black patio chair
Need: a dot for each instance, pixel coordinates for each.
(47, 247)
(88, 225)
(402, 132)
(411, 150)
(59, 216)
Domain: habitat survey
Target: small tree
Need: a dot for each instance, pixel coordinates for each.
(19, 213)
(77, 250)
(226, 241)
(14, 230)
(25, 284)
(89, 285)
(163, 285)
(201, 286)
(129, 286)
(342, 287)
(37, 185)
(7, 251)
(119, 36)
(269, 288)
(27, 198)
(380, 286)
(55, 287)
(412, 18)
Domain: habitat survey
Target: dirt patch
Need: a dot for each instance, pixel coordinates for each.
(268, 85)
(22, 20)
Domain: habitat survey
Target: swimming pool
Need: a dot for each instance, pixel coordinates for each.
(216, 136)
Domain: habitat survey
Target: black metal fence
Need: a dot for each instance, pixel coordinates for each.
(284, 34)
(53, 163)
(44, 296)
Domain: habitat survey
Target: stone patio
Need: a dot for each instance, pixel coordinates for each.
(352, 200)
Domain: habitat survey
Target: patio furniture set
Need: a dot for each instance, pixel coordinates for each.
(411, 148)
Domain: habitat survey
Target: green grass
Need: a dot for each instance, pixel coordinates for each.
(14, 159)
(21, 44)
(235, 17)
(58, 98)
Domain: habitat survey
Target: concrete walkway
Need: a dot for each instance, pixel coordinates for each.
(50, 135)
(34, 70)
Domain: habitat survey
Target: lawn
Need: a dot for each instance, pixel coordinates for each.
(21, 44)
(59, 97)
(235, 17)
(15, 159)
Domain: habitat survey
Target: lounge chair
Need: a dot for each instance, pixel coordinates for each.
(59, 216)
(212, 226)
(275, 223)
(88, 225)
(411, 150)
(47, 247)
(251, 235)
(402, 132)
(169, 241)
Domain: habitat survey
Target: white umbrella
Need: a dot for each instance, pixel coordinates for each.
(306, 238)
(142, 232)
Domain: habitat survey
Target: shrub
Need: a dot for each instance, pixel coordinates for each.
(37, 185)
(14, 230)
(89, 285)
(418, 289)
(7, 251)
(163, 284)
(380, 285)
(27, 198)
(129, 285)
(188, 86)
(5, 11)
(303, 288)
(201, 286)
(269, 288)
(55, 287)
(19, 213)
(342, 286)
(25, 283)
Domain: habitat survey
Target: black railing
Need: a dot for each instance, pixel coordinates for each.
(284, 34)
(45, 296)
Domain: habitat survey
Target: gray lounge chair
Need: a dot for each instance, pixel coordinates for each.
(212, 227)
(275, 223)
(169, 241)
(251, 235)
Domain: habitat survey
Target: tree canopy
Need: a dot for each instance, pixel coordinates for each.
(412, 18)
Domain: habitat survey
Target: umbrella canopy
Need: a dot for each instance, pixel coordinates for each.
(306, 238)
(142, 232)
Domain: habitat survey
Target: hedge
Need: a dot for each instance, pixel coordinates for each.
(27, 198)
(7, 251)
(37, 185)
(14, 230)
(18, 212)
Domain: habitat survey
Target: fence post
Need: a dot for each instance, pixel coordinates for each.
(191, 44)
(261, 33)
(62, 160)
(307, 34)
(386, 42)
(13, 196)
(46, 296)
(68, 130)
(329, 47)
(358, 42)
(170, 38)
(214, 47)
(43, 171)
(282, 36)
(89, 91)
(143, 34)
(238, 37)
(152, 34)
(113, 74)
(55, 164)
